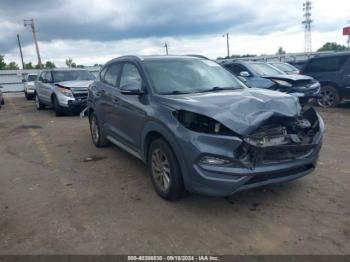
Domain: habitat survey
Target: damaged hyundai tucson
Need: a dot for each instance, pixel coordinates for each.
(200, 129)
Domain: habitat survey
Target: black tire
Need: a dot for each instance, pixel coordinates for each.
(168, 170)
(97, 136)
(38, 104)
(3, 101)
(28, 97)
(329, 97)
(56, 107)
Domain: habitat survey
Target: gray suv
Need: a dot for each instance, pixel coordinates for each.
(200, 129)
(65, 90)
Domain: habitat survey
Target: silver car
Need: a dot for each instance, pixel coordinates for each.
(65, 90)
(29, 85)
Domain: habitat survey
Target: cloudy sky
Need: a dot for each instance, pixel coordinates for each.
(94, 31)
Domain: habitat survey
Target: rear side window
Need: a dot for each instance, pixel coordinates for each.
(111, 75)
(236, 69)
(325, 64)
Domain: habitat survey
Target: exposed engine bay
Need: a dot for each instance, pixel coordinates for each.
(281, 139)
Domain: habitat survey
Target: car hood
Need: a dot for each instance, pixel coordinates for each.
(289, 77)
(243, 111)
(75, 84)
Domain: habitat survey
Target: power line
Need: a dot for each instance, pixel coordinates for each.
(30, 22)
(307, 6)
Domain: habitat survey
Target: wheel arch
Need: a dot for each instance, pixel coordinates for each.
(153, 131)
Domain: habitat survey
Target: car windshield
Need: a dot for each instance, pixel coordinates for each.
(284, 67)
(32, 78)
(263, 69)
(71, 75)
(178, 76)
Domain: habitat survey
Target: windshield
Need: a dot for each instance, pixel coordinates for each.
(262, 69)
(284, 67)
(31, 78)
(176, 76)
(71, 75)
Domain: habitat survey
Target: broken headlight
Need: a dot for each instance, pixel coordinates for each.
(282, 83)
(65, 91)
(201, 123)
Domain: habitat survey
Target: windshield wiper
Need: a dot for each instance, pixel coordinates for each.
(176, 92)
(217, 88)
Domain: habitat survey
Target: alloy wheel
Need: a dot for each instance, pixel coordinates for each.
(328, 97)
(95, 132)
(161, 169)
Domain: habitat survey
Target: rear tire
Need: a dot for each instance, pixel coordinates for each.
(97, 135)
(2, 101)
(56, 107)
(38, 104)
(329, 97)
(165, 171)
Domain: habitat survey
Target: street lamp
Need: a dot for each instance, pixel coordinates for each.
(228, 44)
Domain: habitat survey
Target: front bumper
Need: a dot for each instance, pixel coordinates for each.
(227, 180)
(71, 104)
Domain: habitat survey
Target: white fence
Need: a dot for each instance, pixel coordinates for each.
(11, 80)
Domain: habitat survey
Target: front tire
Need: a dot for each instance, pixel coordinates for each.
(97, 135)
(38, 104)
(56, 107)
(28, 97)
(165, 171)
(329, 97)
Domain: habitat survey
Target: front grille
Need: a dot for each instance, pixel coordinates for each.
(80, 96)
(278, 174)
(303, 83)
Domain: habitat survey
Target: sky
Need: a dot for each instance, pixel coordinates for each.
(96, 31)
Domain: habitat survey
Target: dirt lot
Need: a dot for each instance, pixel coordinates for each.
(61, 195)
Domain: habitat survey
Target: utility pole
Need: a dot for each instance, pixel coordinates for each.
(20, 50)
(307, 6)
(30, 22)
(166, 48)
(227, 43)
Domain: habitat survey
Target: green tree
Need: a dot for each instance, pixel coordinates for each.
(37, 66)
(80, 66)
(12, 66)
(2, 62)
(29, 65)
(280, 51)
(332, 46)
(69, 62)
(50, 64)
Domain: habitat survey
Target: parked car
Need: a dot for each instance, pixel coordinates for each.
(65, 90)
(29, 85)
(200, 129)
(2, 100)
(262, 75)
(285, 67)
(333, 72)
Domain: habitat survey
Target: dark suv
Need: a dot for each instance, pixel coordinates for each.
(200, 129)
(263, 75)
(333, 72)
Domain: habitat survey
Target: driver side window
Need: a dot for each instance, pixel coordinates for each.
(130, 75)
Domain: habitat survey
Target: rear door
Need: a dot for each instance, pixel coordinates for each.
(106, 97)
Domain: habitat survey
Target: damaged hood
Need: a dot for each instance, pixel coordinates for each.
(75, 84)
(289, 77)
(243, 111)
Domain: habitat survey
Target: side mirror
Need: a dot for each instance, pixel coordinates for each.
(1, 87)
(23, 80)
(244, 74)
(131, 89)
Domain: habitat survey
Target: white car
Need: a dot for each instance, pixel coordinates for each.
(29, 85)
